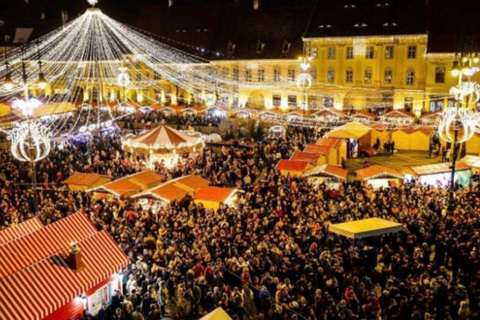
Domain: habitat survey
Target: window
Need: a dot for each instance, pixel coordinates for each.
(139, 77)
(440, 75)
(157, 76)
(349, 76)
(313, 74)
(291, 75)
(313, 52)
(387, 77)
(368, 76)
(261, 75)
(389, 52)
(260, 46)
(370, 52)
(331, 76)
(292, 101)
(436, 103)
(276, 75)
(408, 105)
(276, 100)
(231, 47)
(328, 101)
(412, 52)
(331, 53)
(236, 74)
(349, 52)
(248, 75)
(286, 46)
(410, 78)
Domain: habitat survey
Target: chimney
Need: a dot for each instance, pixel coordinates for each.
(64, 17)
(256, 4)
(171, 3)
(74, 259)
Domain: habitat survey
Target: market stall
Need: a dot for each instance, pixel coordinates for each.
(412, 138)
(332, 176)
(473, 162)
(339, 147)
(217, 314)
(379, 176)
(398, 118)
(293, 168)
(311, 157)
(365, 228)
(357, 135)
(439, 174)
(83, 181)
(214, 197)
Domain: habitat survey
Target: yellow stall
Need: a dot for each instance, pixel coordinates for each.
(359, 229)
(332, 176)
(379, 176)
(213, 197)
(338, 145)
(312, 157)
(473, 144)
(412, 139)
(84, 181)
(217, 314)
(356, 134)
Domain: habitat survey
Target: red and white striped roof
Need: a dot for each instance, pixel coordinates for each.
(20, 230)
(43, 287)
(33, 247)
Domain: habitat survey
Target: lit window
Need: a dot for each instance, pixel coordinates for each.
(276, 75)
(313, 53)
(292, 101)
(412, 52)
(368, 76)
(157, 76)
(349, 52)
(236, 74)
(389, 52)
(410, 78)
(313, 74)
(331, 53)
(440, 75)
(349, 76)
(408, 104)
(291, 75)
(331, 76)
(261, 75)
(276, 100)
(387, 77)
(248, 75)
(370, 52)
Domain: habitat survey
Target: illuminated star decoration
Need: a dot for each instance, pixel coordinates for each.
(92, 2)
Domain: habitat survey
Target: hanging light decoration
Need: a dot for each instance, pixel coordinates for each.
(460, 120)
(30, 141)
(466, 90)
(123, 78)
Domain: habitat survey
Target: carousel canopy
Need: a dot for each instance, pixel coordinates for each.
(160, 138)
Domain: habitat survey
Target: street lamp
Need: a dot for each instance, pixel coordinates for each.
(304, 80)
(462, 121)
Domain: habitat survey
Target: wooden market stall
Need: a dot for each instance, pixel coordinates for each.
(328, 154)
(311, 157)
(214, 197)
(431, 118)
(70, 267)
(364, 228)
(473, 144)
(332, 176)
(398, 117)
(293, 168)
(338, 146)
(161, 196)
(84, 181)
(191, 183)
(356, 134)
(379, 176)
(439, 174)
(363, 117)
(412, 138)
(331, 115)
(19, 230)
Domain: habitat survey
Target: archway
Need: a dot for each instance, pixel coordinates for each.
(256, 100)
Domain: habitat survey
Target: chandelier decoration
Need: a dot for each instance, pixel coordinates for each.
(466, 90)
(458, 121)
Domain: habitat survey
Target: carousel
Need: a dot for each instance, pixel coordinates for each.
(163, 145)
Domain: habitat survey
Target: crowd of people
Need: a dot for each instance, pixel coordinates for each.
(272, 255)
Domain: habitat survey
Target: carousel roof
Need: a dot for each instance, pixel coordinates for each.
(162, 136)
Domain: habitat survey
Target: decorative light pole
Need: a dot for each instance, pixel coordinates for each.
(30, 138)
(304, 80)
(462, 121)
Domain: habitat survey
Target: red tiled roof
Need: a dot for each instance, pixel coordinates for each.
(292, 165)
(306, 156)
(329, 142)
(83, 179)
(169, 193)
(37, 290)
(216, 194)
(20, 230)
(315, 148)
(377, 170)
(22, 252)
